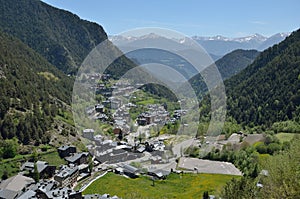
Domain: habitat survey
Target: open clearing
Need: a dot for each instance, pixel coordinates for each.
(285, 137)
(175, 186)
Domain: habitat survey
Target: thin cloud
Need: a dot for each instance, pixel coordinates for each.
(160, 23)
(259, 22)
(241, 34)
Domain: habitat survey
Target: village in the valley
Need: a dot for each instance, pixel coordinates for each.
(132, 148)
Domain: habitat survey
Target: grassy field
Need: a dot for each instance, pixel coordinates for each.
(12, 165)
(175, 186)
(12, 168)
(53, 159)
(285, 137)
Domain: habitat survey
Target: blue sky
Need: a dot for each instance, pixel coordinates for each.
(231, 18)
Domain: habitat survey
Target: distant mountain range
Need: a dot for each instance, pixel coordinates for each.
(229, 64)
(219, 45)
(216, 46)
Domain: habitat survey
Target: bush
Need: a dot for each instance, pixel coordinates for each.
(5, 175)
(261, 148)
(273, 147)
(286, 127)
(9, 148)
(192, 151)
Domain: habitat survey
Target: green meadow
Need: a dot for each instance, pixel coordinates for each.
(175, 186)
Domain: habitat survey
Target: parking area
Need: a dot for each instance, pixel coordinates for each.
(208, 166)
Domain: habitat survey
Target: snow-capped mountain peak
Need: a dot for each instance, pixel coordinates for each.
(216, 45)
(256, 37)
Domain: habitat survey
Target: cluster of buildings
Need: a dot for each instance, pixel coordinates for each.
(58, 183)
(121, 88)
(22, 187)
(131, 147)
(54, 183)
(177, 116)
(120, 117)
(156, 114)
(77, 168)
(110, 152)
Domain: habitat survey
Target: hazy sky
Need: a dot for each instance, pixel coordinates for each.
(231, 18)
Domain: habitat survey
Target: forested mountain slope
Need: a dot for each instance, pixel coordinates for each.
(229, 65)
(269, 89)
(31, 91)
(234, 62)
(60, 36)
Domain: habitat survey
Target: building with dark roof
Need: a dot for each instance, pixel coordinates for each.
(130, 171)
(99, 108)
(66, 150)
(159, 173)
(67, 175)
(43, 168)
(29, 194)
(61, 193)
(88, 133)
(48, 189)
(78, 158)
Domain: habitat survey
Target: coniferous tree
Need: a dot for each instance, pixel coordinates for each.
(36, 175)
(205, 195)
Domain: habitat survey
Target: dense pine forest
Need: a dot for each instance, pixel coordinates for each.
(59, 36)
(32, 92)
(268, 90)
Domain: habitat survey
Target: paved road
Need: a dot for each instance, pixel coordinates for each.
(167, 167)
(177, 149)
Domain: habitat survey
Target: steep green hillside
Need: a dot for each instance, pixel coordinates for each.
(31, 91)
(269, 89)
(60, 36)
(229, 65)
(234, 62)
